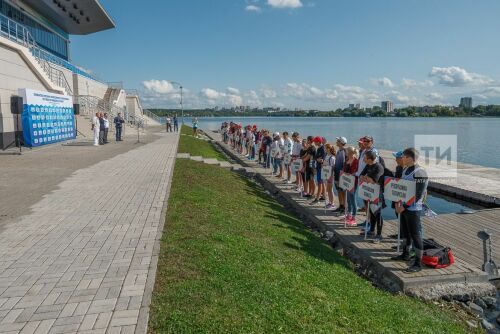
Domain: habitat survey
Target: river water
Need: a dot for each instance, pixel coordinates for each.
(478, 139)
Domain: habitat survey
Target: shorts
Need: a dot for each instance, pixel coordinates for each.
(308, 174)
(318, 175)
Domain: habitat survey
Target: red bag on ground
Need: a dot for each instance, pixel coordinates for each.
(440, 257)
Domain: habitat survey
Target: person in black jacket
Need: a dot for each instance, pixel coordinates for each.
(374, 173)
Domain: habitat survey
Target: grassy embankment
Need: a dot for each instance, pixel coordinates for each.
(194, 146)
(232, 260)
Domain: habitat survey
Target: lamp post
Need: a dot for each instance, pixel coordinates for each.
(182, 106)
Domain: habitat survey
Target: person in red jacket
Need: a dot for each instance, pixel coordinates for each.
(350, 167)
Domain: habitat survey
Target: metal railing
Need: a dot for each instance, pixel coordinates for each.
(18, 33)
(153, 116)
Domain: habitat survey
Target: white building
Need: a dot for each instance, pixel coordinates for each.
(387, 106)
(35, 54)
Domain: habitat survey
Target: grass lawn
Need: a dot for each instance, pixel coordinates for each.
(232, 260)
(194, 146)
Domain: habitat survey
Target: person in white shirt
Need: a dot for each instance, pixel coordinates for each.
(95, 128)
(296, 149)
(277, 154)
(106, 128)
(330, 163)
(287, 146)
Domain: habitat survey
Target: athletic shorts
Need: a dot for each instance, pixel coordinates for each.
(308, 174)
(318, 175)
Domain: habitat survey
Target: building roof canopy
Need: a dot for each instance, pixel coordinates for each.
(76, 17)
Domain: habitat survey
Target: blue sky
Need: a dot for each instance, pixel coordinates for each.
(299, 53)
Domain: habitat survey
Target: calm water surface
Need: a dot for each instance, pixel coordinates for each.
(478, 138)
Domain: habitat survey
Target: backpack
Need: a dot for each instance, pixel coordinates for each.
(436, 256)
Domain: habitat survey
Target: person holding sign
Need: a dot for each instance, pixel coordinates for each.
(287, 158)
(319, 158)
(374, 173)
(276, 153)
(296, 148)
(339, 166)
(330, 164)
(308, 161)
(410, 213)
(350, 167)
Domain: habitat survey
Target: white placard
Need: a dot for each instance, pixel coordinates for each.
(347, 182)
(326, 172)
(369, 192)
(287, 159)
(296, 165)
(399, 190)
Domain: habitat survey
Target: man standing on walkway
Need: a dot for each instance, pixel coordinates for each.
(176, 123)
(168, 122)
(101, 129)
(95, 128)
(106, 128)
(118, 126)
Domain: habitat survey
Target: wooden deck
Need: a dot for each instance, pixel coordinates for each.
(458, 231)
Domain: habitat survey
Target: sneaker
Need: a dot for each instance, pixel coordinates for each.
(314, 201)
(377, 239)
(413, 269)
(329, 206)
(321, 198)
(363, 224)
(401, 257)
(351, 222)
(367, 227)
(307, 195)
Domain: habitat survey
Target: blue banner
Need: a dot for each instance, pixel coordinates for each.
(47, 123)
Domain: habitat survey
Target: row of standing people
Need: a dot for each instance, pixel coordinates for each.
(100, 128)
(363, 160)
(172, 120)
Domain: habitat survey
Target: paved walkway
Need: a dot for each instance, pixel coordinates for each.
(84, 258)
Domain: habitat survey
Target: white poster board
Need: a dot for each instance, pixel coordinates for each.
(347, 182)
(399, 190)
(369, 192)
(287, 159)
(296, 165)
(326, 172)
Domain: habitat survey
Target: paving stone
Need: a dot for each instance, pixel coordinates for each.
(81, 261)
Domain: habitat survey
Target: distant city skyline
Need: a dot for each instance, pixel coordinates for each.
(311, 54)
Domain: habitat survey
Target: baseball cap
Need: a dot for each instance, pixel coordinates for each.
(367, 138)
(398, 154)
(317, 140)
(342, 140)
(276, 134)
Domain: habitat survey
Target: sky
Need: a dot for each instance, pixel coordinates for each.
(313, 54)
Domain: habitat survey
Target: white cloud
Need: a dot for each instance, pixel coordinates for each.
(455, 76)
(159, 86)
(268, 93)
(302, 90)
(435, 96)
(211, 94)
(384, 82)
(285, 3)
(410, 83)
(252, 8)
(232, 90)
